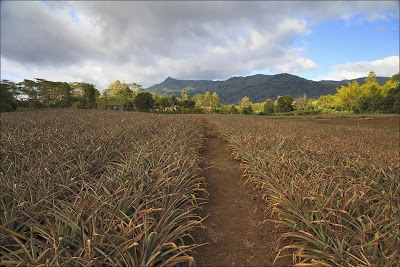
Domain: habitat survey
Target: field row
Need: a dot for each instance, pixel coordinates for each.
(333, 187)
(98, 188)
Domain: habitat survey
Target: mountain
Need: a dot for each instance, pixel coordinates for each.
(174, 86)
(258, 87)
(380, 80)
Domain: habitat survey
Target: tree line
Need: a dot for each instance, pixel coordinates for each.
(369, 97)
(41, 93)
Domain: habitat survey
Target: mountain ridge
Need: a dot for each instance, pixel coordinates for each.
(258, 87)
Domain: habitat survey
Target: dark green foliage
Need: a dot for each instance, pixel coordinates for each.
(144, 101)
(232, 109)
(284, 104)
(43, 93)
(7, 100)
(164, 101)
(129, 106)
(172, 100)
(391, 102)
(366, 104)
(90, 93)
(30, 89)
(188, 103)
(268, 106)
(54, 94)
(247, 110)
(63, 95)
(85, 95)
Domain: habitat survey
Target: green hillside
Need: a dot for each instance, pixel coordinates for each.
(258, 87)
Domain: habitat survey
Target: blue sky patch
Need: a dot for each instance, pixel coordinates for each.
(73, 16)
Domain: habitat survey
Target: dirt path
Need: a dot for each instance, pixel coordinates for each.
(233, 228)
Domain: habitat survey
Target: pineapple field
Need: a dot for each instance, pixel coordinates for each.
(98, 188)
(109, 188)
(331, 183)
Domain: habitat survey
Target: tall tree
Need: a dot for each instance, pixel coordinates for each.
(246, 105)
(136, 88)
(13, 88)
(184, 95)
(63, 95)
(369, 100)
(7, 99)
(30, 92)
(245, 101)
(44, 92)
(90, 93)
(115, 87)
(120, 93)
(199, 99)
(390, 102)
(144, 101)
(172, 100)
(215, 101)
(300, 103)
(268, 106)
(368, 97)
(371, 78)
(348, 94)
(85, 95)
(207, 99)
(126, 92)
(54, 94)
(284, 104)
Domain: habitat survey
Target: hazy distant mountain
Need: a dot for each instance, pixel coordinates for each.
(257, 87)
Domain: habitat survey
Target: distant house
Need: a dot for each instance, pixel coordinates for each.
(172, 108)
(114, 107)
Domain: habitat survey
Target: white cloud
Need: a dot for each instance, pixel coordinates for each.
(297, 65)
(386, 67)
(86, 71)
(145, 42)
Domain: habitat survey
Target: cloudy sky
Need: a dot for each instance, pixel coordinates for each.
(145, 42)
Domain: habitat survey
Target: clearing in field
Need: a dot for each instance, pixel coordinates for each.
(234, 229)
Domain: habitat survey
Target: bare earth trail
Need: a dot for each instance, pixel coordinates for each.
(234, 227)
